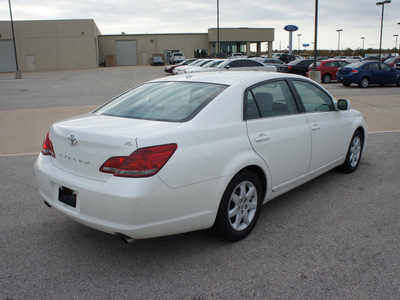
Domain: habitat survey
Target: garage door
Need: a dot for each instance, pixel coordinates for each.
(126, 53)
(7, 59)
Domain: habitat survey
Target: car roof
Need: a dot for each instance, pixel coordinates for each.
(229, 78)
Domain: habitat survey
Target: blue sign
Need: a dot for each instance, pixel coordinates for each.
(306, 45)
(291, 28)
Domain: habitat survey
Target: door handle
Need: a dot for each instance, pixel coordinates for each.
(262, 138)
(315, 127)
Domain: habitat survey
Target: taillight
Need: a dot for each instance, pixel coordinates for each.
(290, 67)
(47, 147)
(354, 71)
(143, 162)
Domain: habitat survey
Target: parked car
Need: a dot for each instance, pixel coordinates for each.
(366, 73)
(392, 61)
(369, 58)
(270, 61)
(193, 152)
(170, 68)
(197, 63)
(177, 57)
(299, 66)
(341, 57)
(397, 66)
(237, 55)
(211, 64)
(237, 64)
(286, 58)
(157, 61)
(354, 58)
(328, 68)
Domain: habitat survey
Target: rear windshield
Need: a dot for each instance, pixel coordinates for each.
(355, 65)
(163, 101)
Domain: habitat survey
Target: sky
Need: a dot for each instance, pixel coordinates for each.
(357, 18)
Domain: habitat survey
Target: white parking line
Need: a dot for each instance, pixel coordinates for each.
(19, 154)
(390, 131)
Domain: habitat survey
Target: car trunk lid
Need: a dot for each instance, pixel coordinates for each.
(84, 143)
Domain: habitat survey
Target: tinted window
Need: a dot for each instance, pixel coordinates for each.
(342, 63)
(313, 98)
(236, 64)
(251, 63)
(331, 64)
(163, 101)
(372, 66)
(386, 68)
(269, 99)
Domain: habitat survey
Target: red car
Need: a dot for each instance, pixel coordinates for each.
(329, 68)
(393, 60)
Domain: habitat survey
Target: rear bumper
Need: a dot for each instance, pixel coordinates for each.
(136, 207)
(348, 78)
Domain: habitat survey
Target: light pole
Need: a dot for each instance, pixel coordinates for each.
(383, 9)
(363, 39)
(398, 23)
(298, 36)
(17, 71)
(395, 44)
(339, 31)
(217, 26)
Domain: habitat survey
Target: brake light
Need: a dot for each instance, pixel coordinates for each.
(143, 162)
(47, 147)
(290, 67)
(354, 71)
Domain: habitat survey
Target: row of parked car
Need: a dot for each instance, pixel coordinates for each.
(346, 71)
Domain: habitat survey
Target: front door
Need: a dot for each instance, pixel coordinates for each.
(329, 127)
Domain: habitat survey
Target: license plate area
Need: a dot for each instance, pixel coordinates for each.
(67, 196)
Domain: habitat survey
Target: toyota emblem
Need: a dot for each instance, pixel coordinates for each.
(72, 139)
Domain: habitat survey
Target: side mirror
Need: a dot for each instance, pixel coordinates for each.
(343, 104)
(227, 67)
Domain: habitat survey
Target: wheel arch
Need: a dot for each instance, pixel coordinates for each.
(362, 131)
(260, 174)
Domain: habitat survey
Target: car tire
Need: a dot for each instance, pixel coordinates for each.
(364, 82)
(398, 82)
(240, 207)
(326, 78)
(354, 153)
(346, 84)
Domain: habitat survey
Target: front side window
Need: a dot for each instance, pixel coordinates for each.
(268, 100)
(163, 101)
(314, 99)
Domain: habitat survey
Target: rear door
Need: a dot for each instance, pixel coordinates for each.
(277, 132)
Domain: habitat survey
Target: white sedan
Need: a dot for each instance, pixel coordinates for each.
(239, 64)
(196, 151)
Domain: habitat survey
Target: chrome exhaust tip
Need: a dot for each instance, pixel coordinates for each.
(125, 238)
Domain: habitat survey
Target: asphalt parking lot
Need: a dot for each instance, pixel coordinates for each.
(336, 237)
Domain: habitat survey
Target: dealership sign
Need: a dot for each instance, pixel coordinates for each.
(291, 28)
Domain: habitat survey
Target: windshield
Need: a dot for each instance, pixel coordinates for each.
(163, 101)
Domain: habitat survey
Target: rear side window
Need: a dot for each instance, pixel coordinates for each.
(163, 101)
(268, 100)
(314, 99)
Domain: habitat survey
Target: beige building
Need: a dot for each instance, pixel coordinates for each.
(78, 44)
(49, 45)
